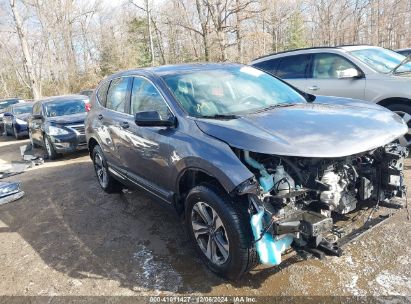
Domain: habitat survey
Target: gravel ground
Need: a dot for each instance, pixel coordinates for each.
(67, 237)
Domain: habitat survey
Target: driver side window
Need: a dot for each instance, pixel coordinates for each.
(330, 66)
(146, 97)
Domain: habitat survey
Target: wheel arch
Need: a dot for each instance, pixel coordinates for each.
(190, 177)
(92, 142)
(394, 100)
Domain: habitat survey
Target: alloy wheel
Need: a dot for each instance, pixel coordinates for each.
(210, 233)
(405, 140)
(101, 170)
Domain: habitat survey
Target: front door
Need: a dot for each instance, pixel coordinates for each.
(326, 77)
(146, 157)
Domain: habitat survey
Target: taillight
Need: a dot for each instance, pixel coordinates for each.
(88, 107)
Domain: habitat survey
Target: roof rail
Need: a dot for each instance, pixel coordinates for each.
(309, 48)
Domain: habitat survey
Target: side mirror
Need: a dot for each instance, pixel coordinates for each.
(348, 73)
(153, 119)
(37, 116)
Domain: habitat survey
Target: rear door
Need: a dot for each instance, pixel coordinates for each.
(111, 120)
(294, 69)
(324, 77)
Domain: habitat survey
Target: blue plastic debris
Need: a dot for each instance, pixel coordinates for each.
(269, 249)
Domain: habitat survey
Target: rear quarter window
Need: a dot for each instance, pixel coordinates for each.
(269, 66)
(102, 92)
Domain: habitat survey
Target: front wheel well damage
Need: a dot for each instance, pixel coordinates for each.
(188, 180)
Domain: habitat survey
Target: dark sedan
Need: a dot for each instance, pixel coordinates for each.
(405, 52)
(4, 103)
(57, 124)
(16, 119)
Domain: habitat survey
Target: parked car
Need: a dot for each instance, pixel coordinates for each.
(251, 164)
(16, 119)
(405, 52)
(4, 103)
(362, 72)
(57, 124)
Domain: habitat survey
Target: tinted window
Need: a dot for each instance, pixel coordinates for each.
(22, 109)
(102, 92)
(117, 95)
(5, 103)
(269, 66)
(146, 97)
(405, 53)
(61, 108)
(230, 90)
(292, 67)
(330, 66)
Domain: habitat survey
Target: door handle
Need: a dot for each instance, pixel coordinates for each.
(100, 116)
(314, 88)
(124, 125)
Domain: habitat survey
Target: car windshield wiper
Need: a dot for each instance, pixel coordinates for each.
(220, 116)
(280, 105)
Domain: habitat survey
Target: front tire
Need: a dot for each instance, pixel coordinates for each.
(220, 231)
(16, 134)
(106, 181)
(51, 152)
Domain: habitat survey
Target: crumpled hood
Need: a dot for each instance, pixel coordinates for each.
(339, 128)
(68, 119)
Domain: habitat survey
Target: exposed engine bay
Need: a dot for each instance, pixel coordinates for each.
(297, 198)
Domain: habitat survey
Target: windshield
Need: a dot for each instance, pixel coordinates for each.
(5, 103)
(382, 60)
(60, 108)
(22, 109)
(229, 91)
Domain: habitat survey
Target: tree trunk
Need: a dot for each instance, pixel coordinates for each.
(28, 65)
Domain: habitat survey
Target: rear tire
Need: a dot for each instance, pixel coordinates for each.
(233, 233)
(404, 111)
(105, 180)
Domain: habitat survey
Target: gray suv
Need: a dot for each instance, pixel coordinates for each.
(252, 166)
(362, 72)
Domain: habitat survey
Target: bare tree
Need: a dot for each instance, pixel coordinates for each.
(25, 49)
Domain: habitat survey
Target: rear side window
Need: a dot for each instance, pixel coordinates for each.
(117, 95)
(293, 67)
(269, 66)
(102, 92)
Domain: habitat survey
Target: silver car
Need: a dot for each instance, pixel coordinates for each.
(361, 72)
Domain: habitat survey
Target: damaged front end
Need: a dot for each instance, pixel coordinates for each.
(293, 200)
